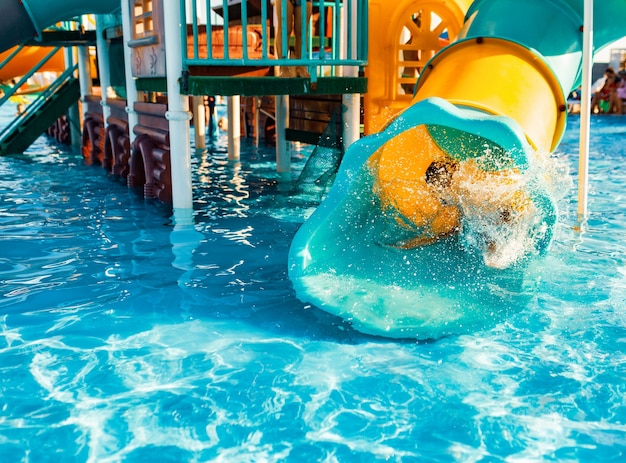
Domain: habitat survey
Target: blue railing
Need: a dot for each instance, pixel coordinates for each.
(346, 44)
(44, 96)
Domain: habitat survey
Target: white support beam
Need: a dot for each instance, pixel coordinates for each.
(84, 75)
(234, 127)
(178, 113)
(131, 88)
(351, 114)
(199, 122)
(73, 114)
(257, 112)
(585, 110)
(104, 69)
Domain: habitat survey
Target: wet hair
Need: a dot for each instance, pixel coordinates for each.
(439, 173)
(506, 215)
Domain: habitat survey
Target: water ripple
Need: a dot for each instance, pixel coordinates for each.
(123, 341)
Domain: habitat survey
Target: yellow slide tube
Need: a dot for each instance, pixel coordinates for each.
(484, 69)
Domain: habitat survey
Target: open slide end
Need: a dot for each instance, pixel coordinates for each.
(429, 227)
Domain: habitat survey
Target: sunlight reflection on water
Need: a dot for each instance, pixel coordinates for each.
(124, 341)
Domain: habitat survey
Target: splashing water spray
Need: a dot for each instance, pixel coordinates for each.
(431, 223)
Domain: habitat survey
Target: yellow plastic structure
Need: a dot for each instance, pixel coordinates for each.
(403, 36)
(26, 59)
(485, 68)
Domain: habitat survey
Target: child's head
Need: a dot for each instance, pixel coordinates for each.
(439, 173)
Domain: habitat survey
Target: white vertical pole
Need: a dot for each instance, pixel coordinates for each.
(351, 119)
(73, 114)
(84, 75)
(352, 101)
(199, 110)
(283, 157)
(585, 110)
(234, 127)
(104, 69)
(257, 110)
(199, 121)
(131, 88)
(177, 114)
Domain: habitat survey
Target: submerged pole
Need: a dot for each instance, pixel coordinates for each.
(199, 121)
(585, 110)
(177, 113)
(257, 111)
(234, 127)
(283, 156)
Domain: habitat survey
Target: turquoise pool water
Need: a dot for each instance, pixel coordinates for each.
(123, 339)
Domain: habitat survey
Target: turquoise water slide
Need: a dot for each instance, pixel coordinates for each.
(22, 20)
(493, 106)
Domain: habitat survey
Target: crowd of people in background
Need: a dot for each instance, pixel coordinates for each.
(610, 98)
(609, 93)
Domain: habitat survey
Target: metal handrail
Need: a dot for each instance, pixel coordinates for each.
(9, 93)
(34, 106)
(354, 51)
(12, 55)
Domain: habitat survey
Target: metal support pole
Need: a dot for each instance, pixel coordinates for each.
(84, 75)
(585, 110)
(283, 157)
(177, 114)
(104, 69)
(351, 119)
(131, 87)
(234, 127)
(351, 115)
(199, 121)
(257, 110)
(73, 114)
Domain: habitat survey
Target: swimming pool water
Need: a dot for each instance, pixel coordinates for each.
(125, 339)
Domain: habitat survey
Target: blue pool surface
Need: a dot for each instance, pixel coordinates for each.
(125, 339)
